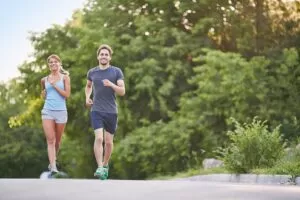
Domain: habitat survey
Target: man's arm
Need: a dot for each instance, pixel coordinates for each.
(88, 93)
(119, 88)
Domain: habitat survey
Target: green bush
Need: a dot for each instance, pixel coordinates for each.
(151, 150)
(289, 164)
(23, 153)
(158, 149)
(289, 168)
(252, 146)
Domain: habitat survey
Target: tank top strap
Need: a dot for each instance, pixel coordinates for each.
(62, 77)
(46, 79)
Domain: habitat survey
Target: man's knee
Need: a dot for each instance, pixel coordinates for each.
(109, 143)
(99, 135)
(109, 139)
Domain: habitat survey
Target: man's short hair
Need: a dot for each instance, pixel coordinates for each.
(104, 46)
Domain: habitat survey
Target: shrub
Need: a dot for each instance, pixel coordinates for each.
(252, 146)
(159, 149)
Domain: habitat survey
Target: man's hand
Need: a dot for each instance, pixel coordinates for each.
(107, 83)
(88, 103)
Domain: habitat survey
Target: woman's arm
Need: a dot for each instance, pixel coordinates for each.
(43, 90)
(66, 92)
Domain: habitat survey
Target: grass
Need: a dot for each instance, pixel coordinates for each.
(191, 172)
(284, 169)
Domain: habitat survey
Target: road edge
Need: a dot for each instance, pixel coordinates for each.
(247, 178)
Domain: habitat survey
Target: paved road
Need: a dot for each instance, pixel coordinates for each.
(76, 189)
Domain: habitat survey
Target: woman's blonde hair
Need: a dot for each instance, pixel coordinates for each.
(56, 57)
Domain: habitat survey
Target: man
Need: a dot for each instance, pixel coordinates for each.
(104, 81)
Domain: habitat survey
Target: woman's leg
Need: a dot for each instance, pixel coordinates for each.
(59, 130)
(49, 130)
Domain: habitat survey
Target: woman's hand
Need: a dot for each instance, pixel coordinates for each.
(44, 93)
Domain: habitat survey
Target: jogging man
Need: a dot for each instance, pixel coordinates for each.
(104, 81)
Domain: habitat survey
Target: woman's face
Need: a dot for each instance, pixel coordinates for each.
(54, 64)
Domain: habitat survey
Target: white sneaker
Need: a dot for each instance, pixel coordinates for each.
(54, 170)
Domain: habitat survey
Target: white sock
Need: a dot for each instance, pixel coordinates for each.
(54, 168)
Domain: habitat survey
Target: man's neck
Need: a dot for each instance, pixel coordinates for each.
(104, 66)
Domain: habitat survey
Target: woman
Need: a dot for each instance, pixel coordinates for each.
(55, 90)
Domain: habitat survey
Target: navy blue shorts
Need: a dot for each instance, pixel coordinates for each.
(107, 121)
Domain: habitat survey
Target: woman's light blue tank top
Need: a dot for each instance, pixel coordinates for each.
(54, 101)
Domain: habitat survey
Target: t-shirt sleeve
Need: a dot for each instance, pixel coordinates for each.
(120, 75)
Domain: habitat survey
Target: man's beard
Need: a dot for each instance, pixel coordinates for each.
(103, 62)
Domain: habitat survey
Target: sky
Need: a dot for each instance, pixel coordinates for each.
(18, 18)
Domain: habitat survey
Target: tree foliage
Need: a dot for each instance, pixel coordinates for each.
(189, 67)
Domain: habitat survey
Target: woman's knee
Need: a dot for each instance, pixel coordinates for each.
(51, 141)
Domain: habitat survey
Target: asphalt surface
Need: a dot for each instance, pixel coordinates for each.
(81, 189)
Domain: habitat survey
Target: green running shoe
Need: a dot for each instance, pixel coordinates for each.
(105, 169)
(100, 173)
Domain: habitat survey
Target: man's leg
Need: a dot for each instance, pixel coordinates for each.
(108, 147)
(98, 146)
(107, 152)
(98, 151)
(97, 123)
(111, 120)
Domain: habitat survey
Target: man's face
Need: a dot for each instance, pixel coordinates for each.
(104, 57)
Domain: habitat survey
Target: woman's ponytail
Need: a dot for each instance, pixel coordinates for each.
(63, 71)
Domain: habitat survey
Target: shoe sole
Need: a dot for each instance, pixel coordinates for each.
(59, 174)
(99, 176)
